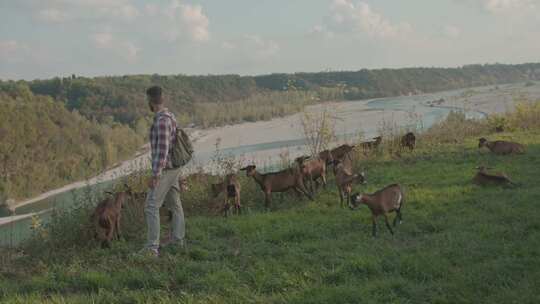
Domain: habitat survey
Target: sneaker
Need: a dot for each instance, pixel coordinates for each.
(148, 252)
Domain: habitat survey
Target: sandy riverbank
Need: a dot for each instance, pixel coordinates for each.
(495, 99)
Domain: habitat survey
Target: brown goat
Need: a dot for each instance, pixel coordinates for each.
(313, 169)
(371, 145)
(409, 141)
(501, 147)
(483, 178)
(326, 156)
(382, 202)
(106, 217)
(345, 179)
(231, 187)
(335, 154)
(280, 181)
(340, 152)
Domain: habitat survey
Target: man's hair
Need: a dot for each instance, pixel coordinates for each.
(154, 93)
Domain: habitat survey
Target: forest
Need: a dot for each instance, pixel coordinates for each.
(58, 130)
(44, 145)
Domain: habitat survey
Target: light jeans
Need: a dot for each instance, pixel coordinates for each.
(167, 191)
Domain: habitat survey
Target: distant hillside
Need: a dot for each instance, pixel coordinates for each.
(197, 98)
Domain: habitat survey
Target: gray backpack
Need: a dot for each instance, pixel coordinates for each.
(182, 149)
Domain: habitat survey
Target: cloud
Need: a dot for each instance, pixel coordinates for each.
(451, 31)
(227, 45)
(252, 48)
(8, 49)
(505, 6)
(55, 11)
(321, 31)
(196, 22)
(178, 20)
(260, 48)
(360, 17)
(52, 15)
(120, 47)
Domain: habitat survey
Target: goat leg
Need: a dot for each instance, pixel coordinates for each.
(267, 199)
(374, 226)
(388, 224)
(305, 192)
(117, 228)
(225, 209)
(238, 205)
(323, 177)
(340, 198)
(397, 219)
(303, 189)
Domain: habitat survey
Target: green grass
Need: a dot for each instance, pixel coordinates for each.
(458, 243)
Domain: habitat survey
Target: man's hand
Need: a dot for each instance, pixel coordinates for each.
(153, 182)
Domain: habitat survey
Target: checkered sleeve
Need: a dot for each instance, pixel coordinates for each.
(161, 141)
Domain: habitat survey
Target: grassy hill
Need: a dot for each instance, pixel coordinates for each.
(459, 243)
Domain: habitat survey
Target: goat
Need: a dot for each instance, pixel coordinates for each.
(340, 152)
(382, 202)
(313, 169)
(106, 217)
(326, 156)
(345, 179)
(501, 147)
(483, 178)
(231, 187)
(408, 140)
(335, 154)
(278, 182)
(371, 145)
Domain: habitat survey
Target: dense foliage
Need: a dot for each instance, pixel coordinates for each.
(44, 145)
(197, 99)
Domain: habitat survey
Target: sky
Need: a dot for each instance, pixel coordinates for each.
(49, 38)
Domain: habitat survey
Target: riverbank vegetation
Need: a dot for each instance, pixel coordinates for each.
(116, 106)
(44, 145)
(459, 243)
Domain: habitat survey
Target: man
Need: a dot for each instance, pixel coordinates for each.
(164, 185)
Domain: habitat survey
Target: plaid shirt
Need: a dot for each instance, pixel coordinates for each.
(162, 137)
